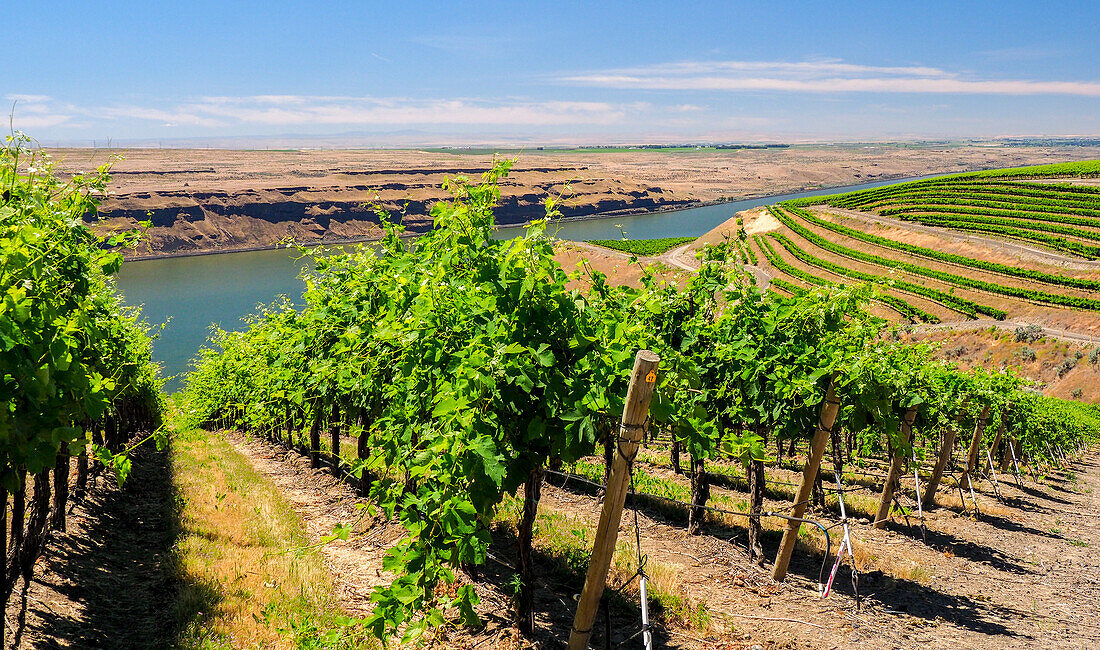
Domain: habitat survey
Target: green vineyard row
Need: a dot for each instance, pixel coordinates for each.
(1003, 269)
(900, 306)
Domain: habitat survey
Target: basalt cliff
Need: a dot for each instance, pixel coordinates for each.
(212, 209)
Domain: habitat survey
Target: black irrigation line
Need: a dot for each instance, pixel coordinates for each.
(644, 559)
(788, 483)
(767, 513)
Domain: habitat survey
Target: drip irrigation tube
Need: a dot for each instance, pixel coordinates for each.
(768, 513)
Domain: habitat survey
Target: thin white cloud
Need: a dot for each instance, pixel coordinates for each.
(294, 110)
(795, 69)
(18, 97)
(226, 113)
(1019, 53)
(818, 77)
(156, 115)
(39, 121)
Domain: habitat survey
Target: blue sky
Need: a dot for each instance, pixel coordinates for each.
(554, 72)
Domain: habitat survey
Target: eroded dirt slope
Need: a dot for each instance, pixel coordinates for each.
(220, 200)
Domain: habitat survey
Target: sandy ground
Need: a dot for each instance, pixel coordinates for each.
(207, 199)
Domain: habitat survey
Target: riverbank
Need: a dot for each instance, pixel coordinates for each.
(562, 227)
(230, 201)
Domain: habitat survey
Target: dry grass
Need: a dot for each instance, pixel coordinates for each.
(567, 540)
(249, 580)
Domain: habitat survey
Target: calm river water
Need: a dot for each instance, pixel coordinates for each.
(191, 294)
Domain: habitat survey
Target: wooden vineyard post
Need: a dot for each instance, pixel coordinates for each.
(996, 446)
(334, 436)
(642, 381)
(976, 441)
(972, 454)
(883, 513)
(941, 464)
(825, 421)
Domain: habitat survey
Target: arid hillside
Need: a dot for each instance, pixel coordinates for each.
(201, 200)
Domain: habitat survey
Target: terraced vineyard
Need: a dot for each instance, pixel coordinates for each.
(1002, 244)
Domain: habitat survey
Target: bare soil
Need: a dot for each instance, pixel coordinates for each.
(1078, 322)
(109, 580)
(1021, 575)
(1062, 367)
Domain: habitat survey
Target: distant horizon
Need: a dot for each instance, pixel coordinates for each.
(321, 142)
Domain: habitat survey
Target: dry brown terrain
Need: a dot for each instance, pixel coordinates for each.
(1062, 367)
(1019, 575)
(1084, 323)
(220, 200)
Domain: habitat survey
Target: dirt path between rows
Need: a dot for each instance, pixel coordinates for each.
(109, 581)
(1022, 575)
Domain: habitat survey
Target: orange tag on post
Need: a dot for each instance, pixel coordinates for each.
(651, 377)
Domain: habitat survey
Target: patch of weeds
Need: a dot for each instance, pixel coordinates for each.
(565, 541)
(308, 629)
(681, 610)
(955, 352)
(245, 580)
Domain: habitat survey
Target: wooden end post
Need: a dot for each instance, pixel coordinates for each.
(635, 411)
(825, 421)
(883, 513)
